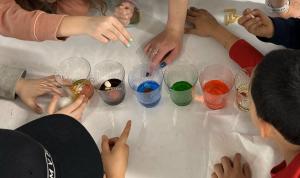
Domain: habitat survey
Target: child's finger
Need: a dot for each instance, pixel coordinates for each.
(76, 104)
(214, 175)
(156, 59)
(244, 19)
(105, 144)
(192, 13)
(253, 28)
(110, 35)
(120, 36)
(237, 161)
(125, 133)
(249, 23)
(260, 14)
(246, 170)
(226, 163)
(101, 38)
(218, 168)
(77, 113)
(121, 29)
(190, 19)
(247, 11)
(52, 105)
(172, 56)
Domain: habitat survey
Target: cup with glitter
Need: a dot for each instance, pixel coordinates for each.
(181, 79)
(146, 87)
(109, 81)
(216, 82)
(242, 82)
(76, 71)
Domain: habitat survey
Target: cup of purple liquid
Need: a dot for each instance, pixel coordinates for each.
(109, 81)
(146, 87)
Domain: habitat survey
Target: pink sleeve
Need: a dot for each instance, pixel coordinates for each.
(73, 7)
(27, 25)
(245, 54)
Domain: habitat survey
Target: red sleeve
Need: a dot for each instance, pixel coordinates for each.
(245, 54)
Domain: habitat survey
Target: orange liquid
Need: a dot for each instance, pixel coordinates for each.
(214, 91)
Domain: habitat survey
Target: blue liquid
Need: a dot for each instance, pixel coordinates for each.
(148, 93)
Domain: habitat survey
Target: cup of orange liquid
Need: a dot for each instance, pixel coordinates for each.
(216, 82)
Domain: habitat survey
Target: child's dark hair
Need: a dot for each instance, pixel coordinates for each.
(276, 92)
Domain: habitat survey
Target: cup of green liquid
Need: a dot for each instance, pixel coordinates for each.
(181, 79)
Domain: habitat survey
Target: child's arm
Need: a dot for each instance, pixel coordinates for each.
(239, 50)
(27, 25)
(275, 30)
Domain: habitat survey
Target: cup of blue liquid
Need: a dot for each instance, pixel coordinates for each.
(146, 87)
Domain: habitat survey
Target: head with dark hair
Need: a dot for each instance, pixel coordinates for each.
(275, 92)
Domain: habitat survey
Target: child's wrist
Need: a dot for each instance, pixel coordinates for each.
(19, 86)
(72, 25)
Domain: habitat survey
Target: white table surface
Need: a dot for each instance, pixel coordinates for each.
(166, 141)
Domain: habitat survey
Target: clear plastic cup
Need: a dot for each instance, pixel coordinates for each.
(181, 79)
(109, 80)
(216, 82)
(242, 82)
(147, 88)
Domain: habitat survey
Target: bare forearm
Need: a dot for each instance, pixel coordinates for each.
(224, 37)
(72, 25)
(177, 14)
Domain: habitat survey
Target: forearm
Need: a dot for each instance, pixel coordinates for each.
(224, 37)
(240, 51)
(177, 15)
(72, 25)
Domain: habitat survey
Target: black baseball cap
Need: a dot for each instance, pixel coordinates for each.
(55, 146)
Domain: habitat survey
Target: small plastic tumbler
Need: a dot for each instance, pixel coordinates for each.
(147, 87)
(74, 68)
(181, 79)
(242, 82)
(109, 81)
(216, 82)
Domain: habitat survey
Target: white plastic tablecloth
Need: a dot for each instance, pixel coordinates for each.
(166, 141)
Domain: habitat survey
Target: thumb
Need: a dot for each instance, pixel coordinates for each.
(105, 144)
(52, 105)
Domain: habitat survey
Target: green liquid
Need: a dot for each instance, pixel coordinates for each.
(181, 93)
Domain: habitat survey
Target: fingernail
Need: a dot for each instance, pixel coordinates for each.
(163, 64)
(131, 40)
(147, 74)
(128, 45)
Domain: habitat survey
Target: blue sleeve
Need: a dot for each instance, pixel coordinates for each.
(286, 33)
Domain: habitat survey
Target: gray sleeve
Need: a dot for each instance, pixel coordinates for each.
(8, 80)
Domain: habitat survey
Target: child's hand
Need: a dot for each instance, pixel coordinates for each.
(107, 28)
(257, 23)
(30, 90)
(102, 28)
(204, 24)
(165, 46)
(231, 169)
(115, 154)
(74, 110)
(124, 12)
